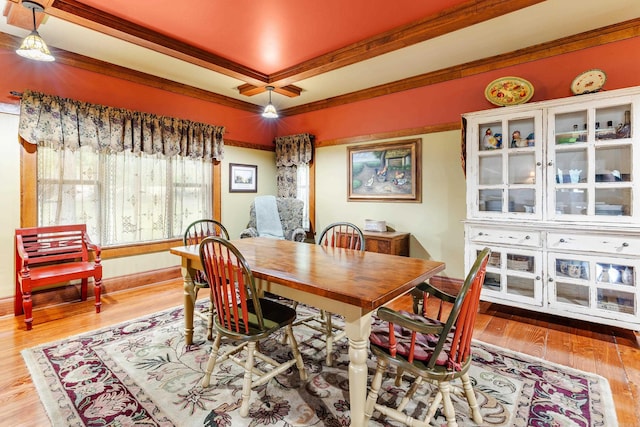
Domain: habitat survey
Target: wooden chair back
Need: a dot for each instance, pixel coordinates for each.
(195, 233)
(458, 329)
(53, 244)
(233, 289)
(198, 230)
(342, 235)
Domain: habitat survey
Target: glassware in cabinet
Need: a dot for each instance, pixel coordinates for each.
(571, 127)
(514, 274)
(616, 288)
(613, 122)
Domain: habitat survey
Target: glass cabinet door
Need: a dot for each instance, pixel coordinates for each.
(590, 163)
(594, 285)
(508, 152)
(513, 274)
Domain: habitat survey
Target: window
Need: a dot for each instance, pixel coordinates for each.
(123, 198)
(302, 192)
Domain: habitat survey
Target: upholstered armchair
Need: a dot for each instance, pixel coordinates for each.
(290, 212)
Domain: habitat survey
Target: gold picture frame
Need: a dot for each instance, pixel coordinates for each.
(386, 171)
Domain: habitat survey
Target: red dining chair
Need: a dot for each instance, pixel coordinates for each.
(193, 235)
(244, 319)
(428, 350)
(337, 235)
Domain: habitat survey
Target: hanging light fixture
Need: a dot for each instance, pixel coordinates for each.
(33, 47)
(270, 111)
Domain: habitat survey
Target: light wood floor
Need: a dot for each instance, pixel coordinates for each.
(610, 352)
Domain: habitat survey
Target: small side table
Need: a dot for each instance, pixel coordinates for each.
(387, 242)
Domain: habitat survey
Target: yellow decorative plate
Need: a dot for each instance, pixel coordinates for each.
(588, 82)
(508, 91)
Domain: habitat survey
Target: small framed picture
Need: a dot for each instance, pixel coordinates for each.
(243, 178)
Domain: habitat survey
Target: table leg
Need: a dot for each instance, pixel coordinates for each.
(189, 301)
(358, 329)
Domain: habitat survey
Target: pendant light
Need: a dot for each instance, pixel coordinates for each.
(270, 111)
(33, 47)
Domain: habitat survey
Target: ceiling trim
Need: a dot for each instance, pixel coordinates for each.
(458, 17)
(393, 134)
(609, 34)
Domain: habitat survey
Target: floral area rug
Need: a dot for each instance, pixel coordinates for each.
(142, 373)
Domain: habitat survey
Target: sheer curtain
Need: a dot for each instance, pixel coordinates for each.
(131, 177)
(293, 155)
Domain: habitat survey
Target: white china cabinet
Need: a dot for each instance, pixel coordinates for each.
(553, 188)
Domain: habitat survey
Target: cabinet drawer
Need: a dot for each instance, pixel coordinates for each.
(528, 238)
(617, 245)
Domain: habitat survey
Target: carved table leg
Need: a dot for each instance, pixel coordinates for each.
(358, 330)
(189, 301)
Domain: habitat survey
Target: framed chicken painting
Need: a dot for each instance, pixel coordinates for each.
(387, 171)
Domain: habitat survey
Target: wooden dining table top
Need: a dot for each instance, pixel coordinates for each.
(364, 279)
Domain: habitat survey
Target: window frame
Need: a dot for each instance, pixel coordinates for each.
(29, 204)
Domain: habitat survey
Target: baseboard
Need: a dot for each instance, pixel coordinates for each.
(446, 282)
(71, 293)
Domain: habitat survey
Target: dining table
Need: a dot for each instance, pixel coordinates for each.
(346, 282)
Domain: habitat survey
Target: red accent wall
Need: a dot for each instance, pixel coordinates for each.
(445, 102)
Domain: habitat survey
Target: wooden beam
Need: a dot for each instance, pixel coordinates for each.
(455, 18)
(249, 90)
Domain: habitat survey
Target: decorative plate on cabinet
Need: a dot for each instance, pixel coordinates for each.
(508, 91)
(588, 82)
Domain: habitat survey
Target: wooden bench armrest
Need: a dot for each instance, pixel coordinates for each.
(22, 254)
(93, 247)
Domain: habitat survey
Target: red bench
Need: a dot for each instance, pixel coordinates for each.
(52, 255)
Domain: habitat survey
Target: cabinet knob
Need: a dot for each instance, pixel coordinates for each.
(481, 234)
(550, 163)
(539, 164)
(550, 279)
(562, 240)
(625, 244)
(527, 237)
(538, 277)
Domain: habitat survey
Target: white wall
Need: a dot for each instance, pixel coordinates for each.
(10, 198)
(435, 224)
(235, 206)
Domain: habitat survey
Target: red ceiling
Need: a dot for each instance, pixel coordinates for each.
(272, 35)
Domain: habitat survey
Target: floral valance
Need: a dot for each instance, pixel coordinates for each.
(294, 149)
(62, 123)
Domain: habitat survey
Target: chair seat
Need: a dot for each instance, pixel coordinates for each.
(424, 346)
(274, 315)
